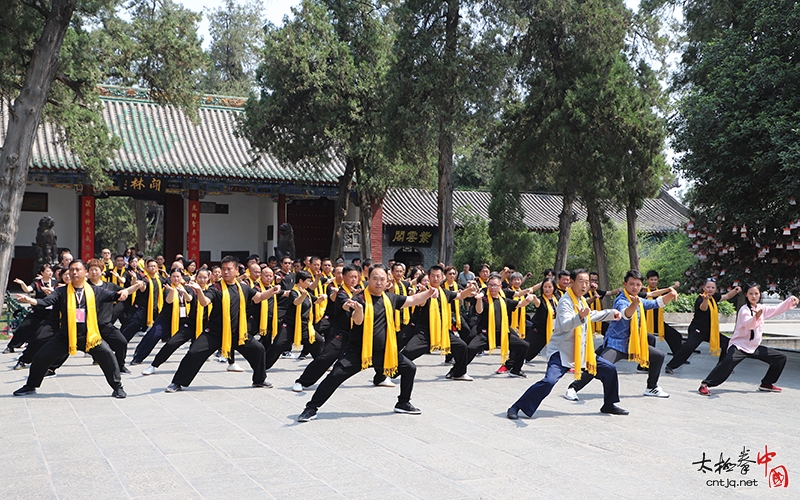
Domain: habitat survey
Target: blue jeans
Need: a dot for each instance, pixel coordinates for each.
(533, 397)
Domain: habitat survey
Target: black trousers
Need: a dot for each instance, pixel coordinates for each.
(159, 331)
(58, 348)
(317, 368)
(696, 337)
(613, 355)
(118, 313)
(136, 323)
(516, 348)
(45, 332)
(734, 356)
(116, 341)
(283, 343)
(350, 363)
(536, 342)
(673, 338)
(420, 343)
(26, 330)
(206, 345)
(404, 335)
(181, 337)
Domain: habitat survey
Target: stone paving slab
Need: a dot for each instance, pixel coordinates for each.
(220, 438)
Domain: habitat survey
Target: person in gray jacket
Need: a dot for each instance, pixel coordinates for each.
(573, 324)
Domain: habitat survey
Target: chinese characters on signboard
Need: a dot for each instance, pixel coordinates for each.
(141, 183)
(193, 236)
(87, 227)
(405, 236)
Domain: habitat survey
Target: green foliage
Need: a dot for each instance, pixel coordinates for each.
(115, 220)
(472, 242)
(669, 255)
(737, 137)
(581, 252)
(236, 40)
(685, 304)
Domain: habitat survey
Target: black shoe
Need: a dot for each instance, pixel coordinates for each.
(50, 373)
(8, 350)
(519, 374)
(613, 410)
(19, 366)
(266, 384)
(25, 390)
(407, 407)
(173, 388)
(310, 413)
(669, 371)
(687, 362)
(642, 369)
(512, 413)
(124, 369)
(134, 362)
(449, 375)
(119, 393)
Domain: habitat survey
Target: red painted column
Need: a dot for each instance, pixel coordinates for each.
(87, 223)
(193, 236)
(376, 231)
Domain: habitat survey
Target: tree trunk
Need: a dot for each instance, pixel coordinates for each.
(445, 146)
(141, 225)
(633, 239)
(342, 204)
(594, 215)
(24, 117)
(564, 229)
(366, 225)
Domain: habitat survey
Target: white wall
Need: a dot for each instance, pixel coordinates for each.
(243, 228)
(62, 206)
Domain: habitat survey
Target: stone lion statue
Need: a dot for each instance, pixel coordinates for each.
(285, 246)
(46, 246)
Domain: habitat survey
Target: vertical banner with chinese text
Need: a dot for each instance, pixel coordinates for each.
(193, 236)
(87, 228)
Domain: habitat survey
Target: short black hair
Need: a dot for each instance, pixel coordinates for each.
(77, 261)
(229, 258)
(149, 260)
(366, 263)
(349, 268)
(436, 267)
(374, 267)
(633, 273)
(254, 257)
(564, 272)
(302, 276)
(574, 274)
(652, 274)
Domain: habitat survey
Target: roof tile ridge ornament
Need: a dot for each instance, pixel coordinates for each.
(116, 92)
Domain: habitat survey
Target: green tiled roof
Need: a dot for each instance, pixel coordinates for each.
(160, 140)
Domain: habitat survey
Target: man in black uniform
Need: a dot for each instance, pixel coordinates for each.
(370, 316)
(148, 303)
(78, 330)
(227, 327)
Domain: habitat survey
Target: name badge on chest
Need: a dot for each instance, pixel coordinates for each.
(80, 315)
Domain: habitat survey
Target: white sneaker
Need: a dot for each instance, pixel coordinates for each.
(464, 377)
(571, 395)
(287, 355)
(235, 368)
(387, 382)
(657, 392)
(297, 387)
(149, 370)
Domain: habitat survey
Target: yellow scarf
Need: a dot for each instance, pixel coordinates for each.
(319, 309)
(227, 332)
(638, 348)
(550, 315)
(404, 314)
(713, 336)
(176, 312)
(589, 357)
(481, 283)
(597, 306)
(492, 327)
(518, 317)
(390, 353)
(199, 316)
(263, 317)
(153, 283)
(298, 324)
(93, 338)
(652, 314)
(456, 305)
(439, 322)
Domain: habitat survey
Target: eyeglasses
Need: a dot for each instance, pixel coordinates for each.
(711, 280)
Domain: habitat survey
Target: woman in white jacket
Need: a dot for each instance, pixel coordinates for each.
(746, 343)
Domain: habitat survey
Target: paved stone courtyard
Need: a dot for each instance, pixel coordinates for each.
(220, 438)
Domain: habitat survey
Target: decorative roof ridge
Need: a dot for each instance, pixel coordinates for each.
(130, 94)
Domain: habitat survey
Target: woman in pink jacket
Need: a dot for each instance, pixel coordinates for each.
(746, 343)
